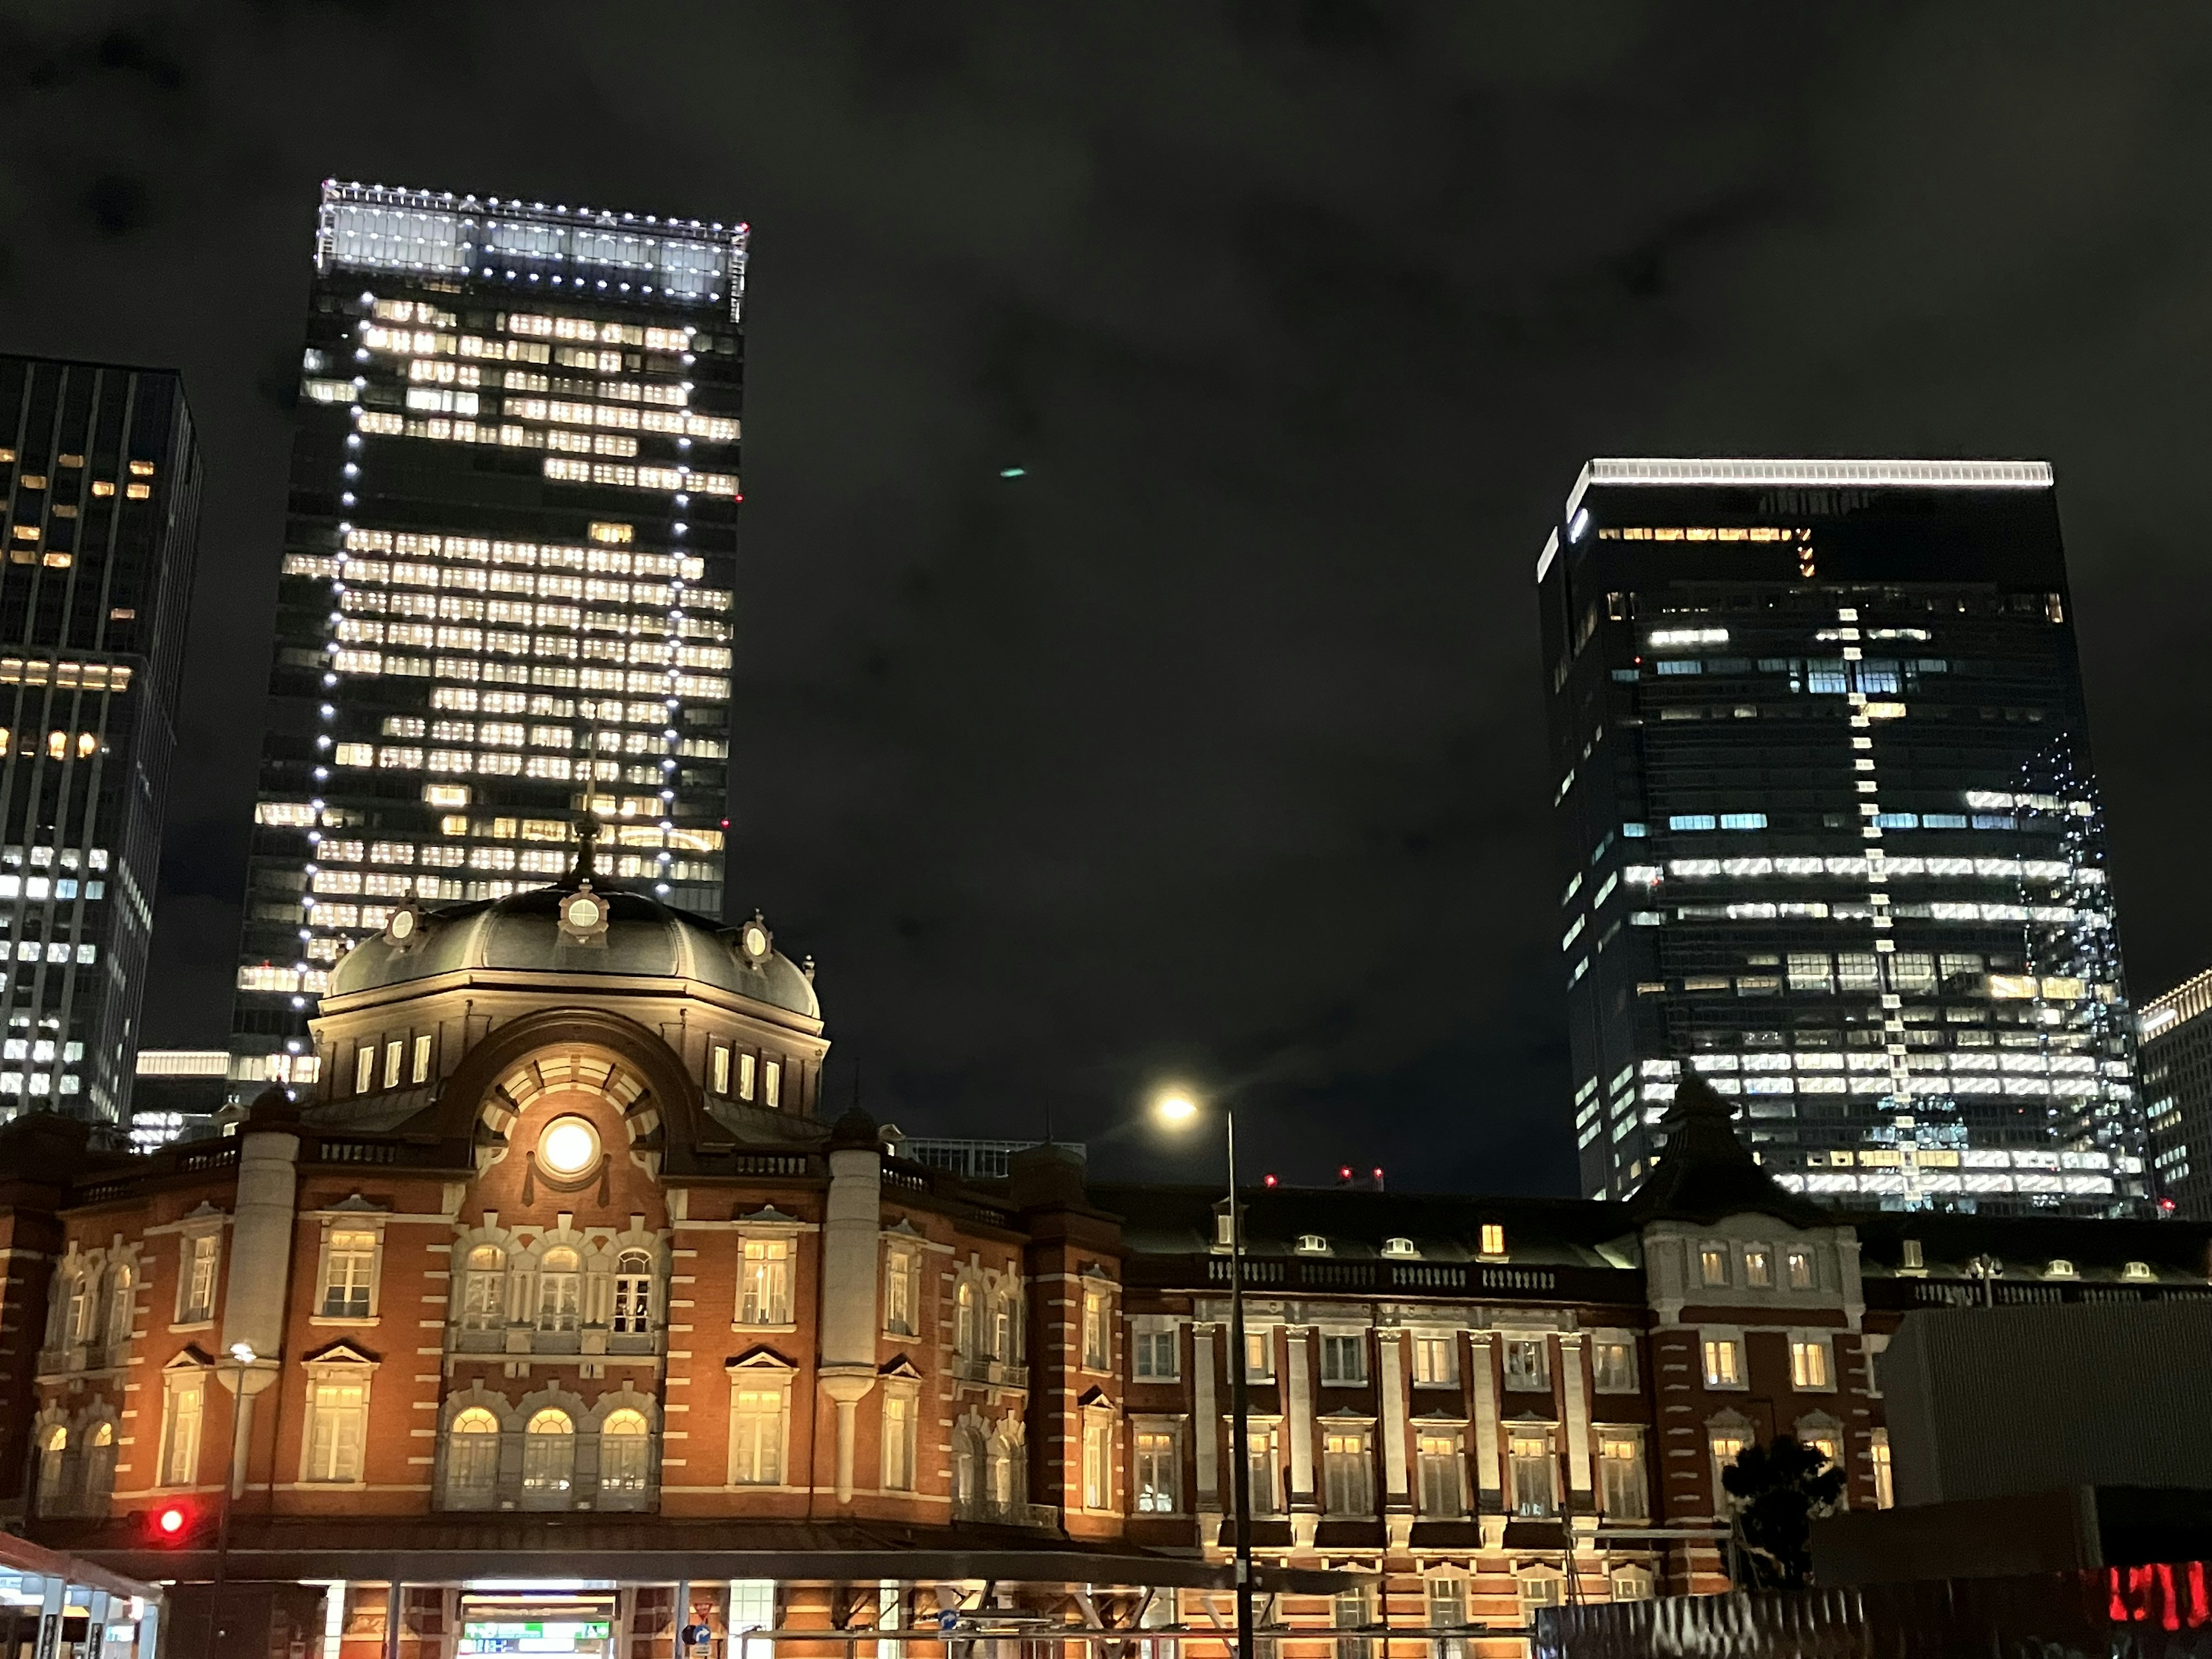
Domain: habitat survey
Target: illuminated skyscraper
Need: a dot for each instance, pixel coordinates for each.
(1829, 832)
(99, 482)
(507, 577)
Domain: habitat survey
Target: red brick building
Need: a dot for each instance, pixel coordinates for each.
(559, 1304)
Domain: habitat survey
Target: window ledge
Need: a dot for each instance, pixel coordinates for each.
(333, 1486)
(345, 1320)
(207, 1324)
(740, 1325)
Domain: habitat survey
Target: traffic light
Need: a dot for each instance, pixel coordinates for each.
(174, 1525)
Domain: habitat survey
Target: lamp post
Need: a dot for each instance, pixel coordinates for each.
(243, 1353)
(1176, 1109)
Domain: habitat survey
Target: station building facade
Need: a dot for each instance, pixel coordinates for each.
(559, 1304)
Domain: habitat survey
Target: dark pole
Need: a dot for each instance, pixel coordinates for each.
(233, 1478)
(1239, 1474)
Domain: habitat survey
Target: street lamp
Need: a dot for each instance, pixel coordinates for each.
(243, 1353)
(1176, 1109)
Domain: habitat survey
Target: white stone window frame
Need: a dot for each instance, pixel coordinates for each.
(345, 1220)
(345, 1363)
(903, 1259)
(188, 1373)
(1541, 1341)
(1724, 1333)
(499, 1494)
(760, 1371)
(190, 1233)
(1435, 1423)
(591, 1430)
(1826, 1342)
(1776, 1266)
(1449, 1335)
(1266, 1428)
(1172, 1425)
(769, 1224)
(906, 1386)
(1872, 1346)
(1642, 1433)
(1091, 1282)
(1611, 1336)
(1357, 1335)
(1098, 1414)
(1343, 1421)
(1710, 1249)
(1143, 1332)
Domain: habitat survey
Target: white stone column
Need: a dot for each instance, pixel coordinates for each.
(1391, 1349)
(1205, 1417)
(1298, 1412)
(1489, 1483)
(1574, 1390)
(851, 1226)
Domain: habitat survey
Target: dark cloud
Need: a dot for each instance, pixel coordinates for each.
(1210, 746)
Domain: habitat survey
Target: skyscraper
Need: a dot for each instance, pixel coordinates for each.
(2177, 1072)
(1829, 834)
(505, 597)
(102, 510)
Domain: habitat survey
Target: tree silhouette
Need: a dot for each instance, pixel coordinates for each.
(1778, 1488)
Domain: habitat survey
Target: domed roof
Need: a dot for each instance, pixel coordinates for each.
(643, 938)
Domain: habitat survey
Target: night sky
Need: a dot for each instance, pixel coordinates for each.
(1212, 745)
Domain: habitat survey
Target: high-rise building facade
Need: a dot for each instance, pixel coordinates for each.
(99, 484)
(1829, 834)
(2176, 1044)
(506, 588)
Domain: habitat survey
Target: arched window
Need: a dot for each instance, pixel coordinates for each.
(472, 1458)
(549, 1454)
(81, 1310)
(1000, 1471)
(624, 1451)
(633, 1293)
(120, 1307)
(560, 1290)
(963, 1320)
(53, 1470)
(484, 1289)
(1002, 1327)
(100, 1468)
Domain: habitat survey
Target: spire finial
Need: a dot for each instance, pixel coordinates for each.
(587, 841)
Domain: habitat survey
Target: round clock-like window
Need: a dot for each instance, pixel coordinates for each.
(583, 911)
(569, 1147)
(402, 923)
(755, 938)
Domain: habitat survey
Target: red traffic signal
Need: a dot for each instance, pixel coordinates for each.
(172, 1524)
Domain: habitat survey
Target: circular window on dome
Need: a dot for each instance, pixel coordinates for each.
(405, 923)
(569, 1147)
(583, 917)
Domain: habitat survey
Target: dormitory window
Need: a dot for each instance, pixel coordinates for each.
(421, 1072)
(1097, 1461)
(337, 1428)
(766, 1289)
(899, 1409)
(1620, 1473)
(548, 1455)
(756, 1438)
(1347, 1488)
(394, 1051)
(721, 1084)
(483, 1284)
(1436, 1359)
(1259, 1454)
(180, 1436)
(472, 1458)
(1724, 1363)
(1809, 1364)
(1612, 1361)
(624, 1449)
(1443, 1490)
(364, 1068)
(1156, 1355)
(1343, 1359)
(1529, 1365)
(349, 1275)
(771, 1083)
(1096, 1309)
(560, 1290)
(1529, 1453)
(1158, 1466)
(745, 1065)
(901, 1277)
(197, 1306)
(633, 1294)
(1713, 1264)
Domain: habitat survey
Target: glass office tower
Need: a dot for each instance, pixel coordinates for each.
(1829, 834)
(100, 485)
(505, 599)
(2176, 1039)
